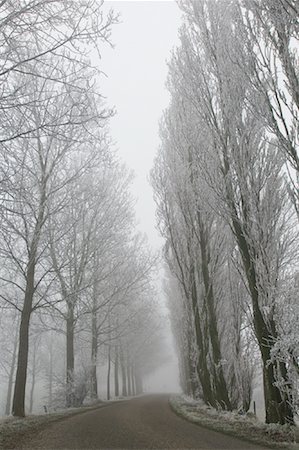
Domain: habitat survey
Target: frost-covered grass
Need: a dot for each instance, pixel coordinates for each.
(244, 426)
(13, 430)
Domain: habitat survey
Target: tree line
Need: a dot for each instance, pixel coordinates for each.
(226, 187)
(75, 276)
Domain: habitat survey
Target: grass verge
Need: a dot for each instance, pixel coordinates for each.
(14, 430)
(246, 427)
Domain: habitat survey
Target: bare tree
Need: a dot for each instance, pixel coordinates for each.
(39, 169)
(217, 160)
(32, 33)
(270, 32)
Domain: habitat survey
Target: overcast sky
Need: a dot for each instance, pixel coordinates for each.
(136, 73)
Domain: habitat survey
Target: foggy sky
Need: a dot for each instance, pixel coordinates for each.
(135, 85)
(136, 73)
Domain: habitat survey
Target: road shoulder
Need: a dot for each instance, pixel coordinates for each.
(242, 427)
(14, 431)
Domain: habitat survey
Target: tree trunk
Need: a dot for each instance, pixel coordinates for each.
(32, 386)
(116, 383)
(10, 377)
(70, 360)
(18, 408)
(138, 381)
(183, 374)
(278, 409)
(222, 396)
(129, 377)
(132, 380)
(123, 373)
(50, 399)
(108, 372)
(190, 371)
(202, 367)
(94, 355)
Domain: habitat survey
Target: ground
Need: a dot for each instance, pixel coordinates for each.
(142, 423)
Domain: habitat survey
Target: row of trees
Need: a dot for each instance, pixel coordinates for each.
(226, 187)
(70, 259)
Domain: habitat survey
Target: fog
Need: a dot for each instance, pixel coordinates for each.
(136, 71)
(148, 220)
(130, 77)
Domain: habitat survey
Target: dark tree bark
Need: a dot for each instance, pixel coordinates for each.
(221, 390)
(218, 394)
(123, 373)
(128, 376)
(278, 409)
(18, 408)
(34, 372)
(133, 390)
(10, 376)
(116, 381)
(32, 384)
(108, 373)
(94, 355)
(50, 398)
(202, 366)
(190, 370)
(70, 359)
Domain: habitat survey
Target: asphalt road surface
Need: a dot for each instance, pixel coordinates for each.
(141, 423)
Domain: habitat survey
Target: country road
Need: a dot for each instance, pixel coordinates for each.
(141, 423)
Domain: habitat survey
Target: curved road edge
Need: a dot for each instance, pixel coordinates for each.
(253, 436)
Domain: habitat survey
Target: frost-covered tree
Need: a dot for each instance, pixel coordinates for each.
(39, 169)
(32, 34)
(270, 33)
(196, 241)
(223, 203)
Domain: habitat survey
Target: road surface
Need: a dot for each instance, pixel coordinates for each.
(141, 423)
